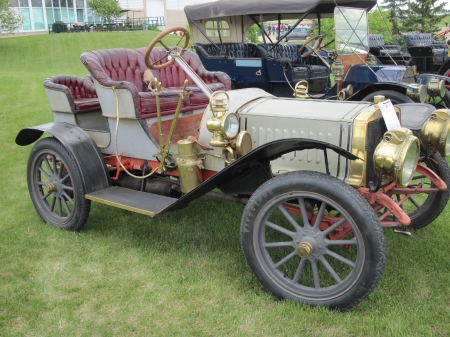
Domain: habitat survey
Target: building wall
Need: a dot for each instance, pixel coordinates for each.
(175, 18)
(39, 14)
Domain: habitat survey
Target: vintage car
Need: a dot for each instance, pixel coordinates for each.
(219, 31)
(320, 179)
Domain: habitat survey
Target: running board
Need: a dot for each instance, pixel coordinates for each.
(132, 200)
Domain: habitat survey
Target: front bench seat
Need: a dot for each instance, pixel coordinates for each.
(173, 76)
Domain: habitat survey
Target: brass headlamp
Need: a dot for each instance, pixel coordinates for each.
(436, 88)
(224, 125)
(397, 155)
(435, 132)
(417, 92)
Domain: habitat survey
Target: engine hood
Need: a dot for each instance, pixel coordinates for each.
(303, 109)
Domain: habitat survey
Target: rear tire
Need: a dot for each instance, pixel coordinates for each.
(55, 186)
(345, 247)
(394, 96)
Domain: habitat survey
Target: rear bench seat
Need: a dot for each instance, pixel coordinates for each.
(439, 48)
(228, 50)
(71, 94)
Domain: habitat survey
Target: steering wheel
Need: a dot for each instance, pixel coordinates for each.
(319, 39)
(158, 39)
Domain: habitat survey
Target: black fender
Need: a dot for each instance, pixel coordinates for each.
(247, 173)
(82, 148)
(370, 88)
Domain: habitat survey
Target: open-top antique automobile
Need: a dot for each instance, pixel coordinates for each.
(219, 30)
(320, 179)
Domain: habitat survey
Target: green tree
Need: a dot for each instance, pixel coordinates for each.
(326, 30)
(379, 23)
(395, 12)
(253, 33)
(422, 16)
(10, 20)
(106, 9)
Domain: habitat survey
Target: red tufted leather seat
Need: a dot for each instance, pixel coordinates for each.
(124, 68)
(80, 92)
(174, 77)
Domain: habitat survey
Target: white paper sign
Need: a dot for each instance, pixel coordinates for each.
(389, 115)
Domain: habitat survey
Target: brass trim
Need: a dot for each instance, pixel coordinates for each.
(304, 249)
(358, 167)
(115, 204)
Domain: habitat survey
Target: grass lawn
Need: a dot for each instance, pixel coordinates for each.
(182, 273)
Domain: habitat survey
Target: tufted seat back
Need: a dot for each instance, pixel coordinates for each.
(418, 40)
(288, 51)
(124, 69)
(79, 92)
(377, 41)
(439, 49)
(174, 76)
(115, 64)
(238, 50)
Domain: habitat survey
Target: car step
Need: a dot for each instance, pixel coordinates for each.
(132, 200)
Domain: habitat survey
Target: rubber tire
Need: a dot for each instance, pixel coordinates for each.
(78, 214)
(373, 246)
(394, 96)
(435, 203)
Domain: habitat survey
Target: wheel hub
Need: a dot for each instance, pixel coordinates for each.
(50, 188)
(311, 244)
(304, 249)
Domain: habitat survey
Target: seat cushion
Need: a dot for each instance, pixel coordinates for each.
(197, 97)
(86, 104)
(168, 100)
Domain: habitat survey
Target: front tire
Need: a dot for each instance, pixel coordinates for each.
(424, 208)
(312, 238)
(55, 186)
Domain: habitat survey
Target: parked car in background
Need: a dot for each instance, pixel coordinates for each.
(277, 67)
(299, 33)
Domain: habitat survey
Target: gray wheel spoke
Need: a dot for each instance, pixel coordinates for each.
(330, 270)
(299, 270)
(50, 170)
(59, 207)
(277, 244)
(64, 203)
(45, 196)
(315, 274)
(301, 203)
(340, 258)
(334, 226)
(55, 168)
(44, 173)
(52, 207)
(322, 209)
(285, 259)
(67, 188)
(68, 198)
(289, 217)
(60, 169)
(341, 242)
(279, 229)
(63, 180)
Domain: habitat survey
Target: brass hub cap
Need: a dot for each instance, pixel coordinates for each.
(304, 249)
(49, 188)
